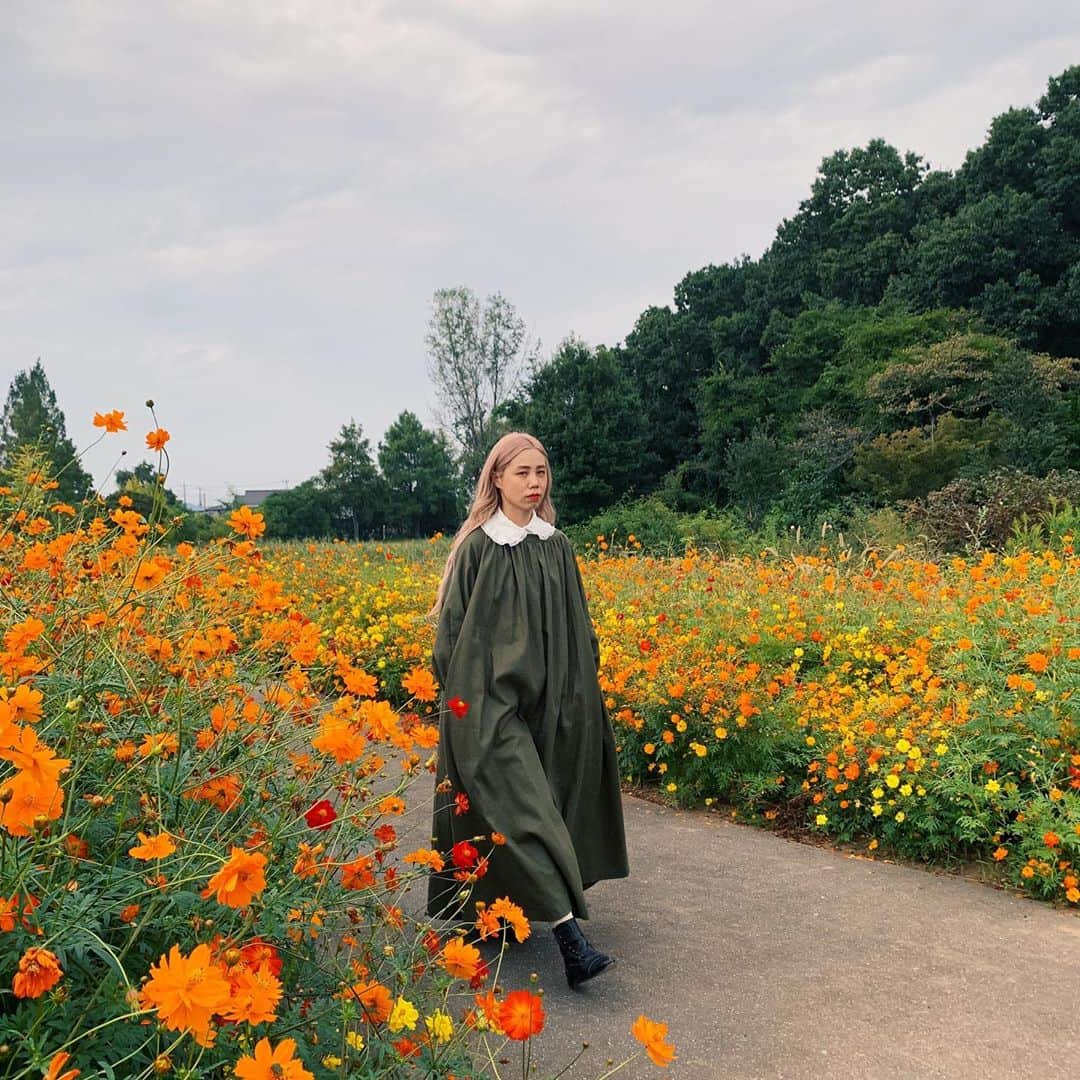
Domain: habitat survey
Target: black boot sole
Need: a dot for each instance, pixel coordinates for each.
(575, 983)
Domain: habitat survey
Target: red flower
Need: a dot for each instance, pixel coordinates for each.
(458, 707)
(461, 803)
(482, 972)
(464, 855)
(321, 815)
(521, 1015)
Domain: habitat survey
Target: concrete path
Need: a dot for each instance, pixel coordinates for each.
(769, 958)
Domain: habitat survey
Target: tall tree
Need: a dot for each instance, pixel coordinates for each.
(586, 411)
(421, 479)
(477, 357)
(352, 482)
(301, 513)
(31, 416)
(668, 354)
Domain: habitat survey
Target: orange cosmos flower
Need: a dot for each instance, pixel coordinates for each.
(651, 1035)
(425, 736)
(425, 857)
(459, 959)
(158, 649)
(28, 801)
(152, 847)
(392, 804)
(504, 908)
(1051, 839)
(239, 880)
(161, 744)
(361, 683)
(39, 970)
(26, 704)
(17, 637)
(148, 575)
(247, 523)
(338, 738)
(374, 999)
(307, 864)
(1037, 661)
(421, 684)
(156, 439)
(358, 873)
(486, 923)
(186, 991)
(255, 994)
(277, 1063)
(521, 1015)
(57, 1062)
(31, 756)
(223, 792)
(489, 1009)
(111, 421)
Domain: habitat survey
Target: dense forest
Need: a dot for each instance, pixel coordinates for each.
(908, 333)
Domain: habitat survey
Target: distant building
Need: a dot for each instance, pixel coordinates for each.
(256, 496)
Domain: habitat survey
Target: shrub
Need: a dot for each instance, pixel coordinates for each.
(968, 514)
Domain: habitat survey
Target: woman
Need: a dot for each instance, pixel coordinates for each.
(531, 755)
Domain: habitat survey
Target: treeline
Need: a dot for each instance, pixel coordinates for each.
(906, 331)
(409, 487)
(903, 354)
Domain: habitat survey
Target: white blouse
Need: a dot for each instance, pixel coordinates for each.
(503, 531)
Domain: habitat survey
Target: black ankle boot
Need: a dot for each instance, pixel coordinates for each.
(582, 961)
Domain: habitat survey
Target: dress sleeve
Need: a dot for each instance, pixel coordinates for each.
(455, 604)
(584, 604)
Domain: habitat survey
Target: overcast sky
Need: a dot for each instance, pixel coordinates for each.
(242, 209)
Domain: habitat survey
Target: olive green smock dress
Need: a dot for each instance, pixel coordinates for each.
(535, 753)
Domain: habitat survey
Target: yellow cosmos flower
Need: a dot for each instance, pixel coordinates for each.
(403, 1015)
(440, 1027)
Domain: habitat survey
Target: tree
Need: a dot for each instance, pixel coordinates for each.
(586, 411)
(477, 357)
(420, 477)
(301, 513)
(352, 483)
(32, 417)
(995, 256)
(667, 355)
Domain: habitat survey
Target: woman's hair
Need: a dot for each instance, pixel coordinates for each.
(486, 500)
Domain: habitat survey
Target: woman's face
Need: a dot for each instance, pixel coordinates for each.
(522, 485)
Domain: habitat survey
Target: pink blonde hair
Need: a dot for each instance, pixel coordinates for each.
(486, 500)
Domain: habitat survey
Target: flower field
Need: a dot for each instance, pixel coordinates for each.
(931, 709)
(204, 794)
(207, 757)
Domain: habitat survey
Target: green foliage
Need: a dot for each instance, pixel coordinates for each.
(586, 411)
(31, 417)
(649, 525)
(301, 513)
(421, 483)
(978, 512)
(667, 354)
(911, 463)
(352, 483)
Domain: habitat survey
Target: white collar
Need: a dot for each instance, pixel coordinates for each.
(504, 531)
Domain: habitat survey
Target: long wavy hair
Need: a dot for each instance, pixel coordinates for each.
(487, 501)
